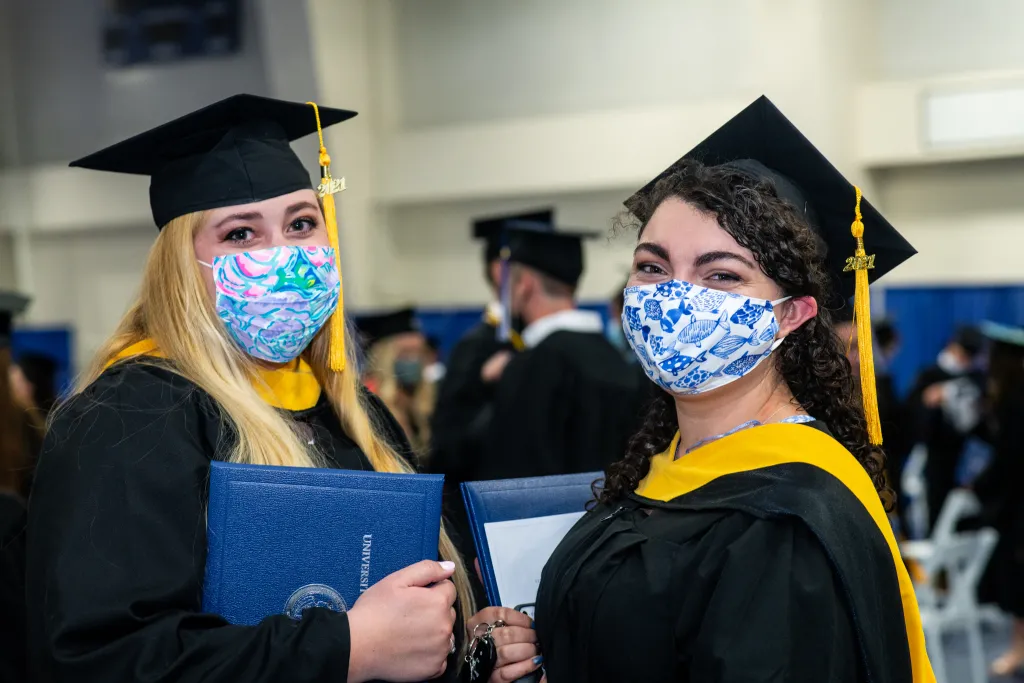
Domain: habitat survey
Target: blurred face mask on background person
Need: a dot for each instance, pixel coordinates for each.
(952, 363)
(274, 301)
(408, 372)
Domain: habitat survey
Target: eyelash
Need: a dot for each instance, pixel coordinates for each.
(299, 225)
(724, 277)
(308, 223)
(650, 268)
(233, 235)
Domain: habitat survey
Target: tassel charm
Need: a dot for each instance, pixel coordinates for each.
(327, 188)
(861, 263)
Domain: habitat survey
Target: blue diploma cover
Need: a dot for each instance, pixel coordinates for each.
(283, 539)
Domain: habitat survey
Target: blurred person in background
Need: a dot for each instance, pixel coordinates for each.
(459, 421)
(887, 341)
(464, 396)
(944, 407)
(1000, 487)
(21, 432)
(20, 440)
(568, 402)
(890, 408)
(396, 352)
(34, 380)
(235, 350)
(434, 369)
(613, 328)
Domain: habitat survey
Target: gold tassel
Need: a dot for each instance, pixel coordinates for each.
(861, 263)
(327, 188)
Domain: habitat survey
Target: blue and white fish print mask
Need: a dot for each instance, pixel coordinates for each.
(692, 339)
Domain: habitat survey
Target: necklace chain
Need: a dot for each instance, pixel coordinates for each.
(798, 418)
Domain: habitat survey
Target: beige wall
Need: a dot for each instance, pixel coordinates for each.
(966, 220)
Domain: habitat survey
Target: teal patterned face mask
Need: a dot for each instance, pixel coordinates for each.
(274, 301)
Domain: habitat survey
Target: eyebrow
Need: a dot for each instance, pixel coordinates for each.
(713, 256)
(245, 216)
(299, 206)
(652, 248)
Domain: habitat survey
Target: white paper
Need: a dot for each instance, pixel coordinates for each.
(519, 550)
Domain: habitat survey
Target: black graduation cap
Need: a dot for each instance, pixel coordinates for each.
(556, 254)
(378, 326)
(233, 152)
(492, 229)
(11, 304)
(1005, 334)
(764, 143)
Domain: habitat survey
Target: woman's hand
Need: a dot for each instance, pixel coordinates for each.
(516, 642)
(401, 628)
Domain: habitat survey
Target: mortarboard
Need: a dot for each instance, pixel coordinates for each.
(761, 141)
(1006, 334)
(378, 326)
(558, 255)
(231, 153)
(861, 246)
(11, 304)
(492, 229)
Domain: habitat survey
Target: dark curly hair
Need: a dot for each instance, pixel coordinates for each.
(811, 361)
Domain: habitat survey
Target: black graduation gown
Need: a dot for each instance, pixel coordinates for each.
(458, 428)
(13, 664)
(1000, 488)
(569, 404)
(944, 443)
(771, 574)
(117, 543)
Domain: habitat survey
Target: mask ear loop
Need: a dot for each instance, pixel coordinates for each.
(778, 342)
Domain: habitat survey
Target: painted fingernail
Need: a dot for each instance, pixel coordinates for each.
(539, 659)
(533, 624)
(447, 566)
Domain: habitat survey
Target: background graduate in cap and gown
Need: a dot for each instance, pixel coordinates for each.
(743, 536)
(567, 402)
(395, 349)
(462, 409)
(459, 421)
(21, 434)
(235, 350)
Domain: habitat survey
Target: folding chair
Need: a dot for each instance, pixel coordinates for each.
(961, 558)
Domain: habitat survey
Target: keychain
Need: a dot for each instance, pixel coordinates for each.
(483, 653)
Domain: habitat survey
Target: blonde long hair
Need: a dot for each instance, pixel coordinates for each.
(175, 311)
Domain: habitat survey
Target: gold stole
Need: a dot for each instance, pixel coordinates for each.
(778, 444)
(292, 387)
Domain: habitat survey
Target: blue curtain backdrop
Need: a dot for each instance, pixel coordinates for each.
(926, 318)
(53, 342)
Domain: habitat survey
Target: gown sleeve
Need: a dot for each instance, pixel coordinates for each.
(774, 613)
(117, 550)
(528, 423)
(461, 399)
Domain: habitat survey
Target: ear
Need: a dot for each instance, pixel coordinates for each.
(794, 313)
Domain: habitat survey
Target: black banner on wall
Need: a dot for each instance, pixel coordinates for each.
(155, 31)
